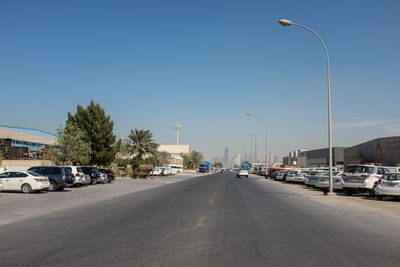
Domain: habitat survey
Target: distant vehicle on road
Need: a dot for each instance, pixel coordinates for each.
(166, 171)
(242, 172)
(205, 166)
(25, 182)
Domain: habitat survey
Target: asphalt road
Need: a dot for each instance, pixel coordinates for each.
(213, 220)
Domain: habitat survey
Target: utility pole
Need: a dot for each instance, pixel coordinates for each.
(177, 127)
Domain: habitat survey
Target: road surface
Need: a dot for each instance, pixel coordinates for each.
(213, 220)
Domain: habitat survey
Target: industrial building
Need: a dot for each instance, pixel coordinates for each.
(320, 157)
(385, 150)
(23, 143)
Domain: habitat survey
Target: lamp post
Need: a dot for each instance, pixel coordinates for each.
(285, 22)
(266, 138)
(251, 148)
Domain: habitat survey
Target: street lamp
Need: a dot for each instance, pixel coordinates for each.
(285, 22)
(251, 148)
(266, 138)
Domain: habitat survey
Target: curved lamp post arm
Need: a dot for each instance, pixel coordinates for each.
(285, 22)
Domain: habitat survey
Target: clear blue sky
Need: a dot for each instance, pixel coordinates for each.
(205, 63)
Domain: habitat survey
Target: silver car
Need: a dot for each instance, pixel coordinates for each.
(388, 185)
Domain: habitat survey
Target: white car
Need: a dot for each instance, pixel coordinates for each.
(242, 172)
(79, 175)
(24, 181)
(156, 171)
(291, 175)
(323, 180)
(280, 175)
(166, 171)
(362, 178)
(86, 179)
(388, 185)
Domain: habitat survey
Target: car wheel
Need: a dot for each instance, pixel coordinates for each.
(53, 186)
(26, 188)
(379, 197)
(372, 191)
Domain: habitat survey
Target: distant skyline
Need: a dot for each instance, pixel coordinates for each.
(205, 63)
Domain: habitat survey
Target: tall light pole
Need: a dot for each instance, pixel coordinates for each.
(266, 138)
(251, 148)
(177, 127)
(285, 22)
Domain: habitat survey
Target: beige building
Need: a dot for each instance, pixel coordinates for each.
(174, 149)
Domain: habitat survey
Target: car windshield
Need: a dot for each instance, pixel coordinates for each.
(359, 169)
(392, 176)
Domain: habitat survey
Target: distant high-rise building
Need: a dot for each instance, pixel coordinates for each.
(237, 160)
(226, 157)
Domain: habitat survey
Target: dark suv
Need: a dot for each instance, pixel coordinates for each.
(110, 174)
(93, 173)
(59, 177)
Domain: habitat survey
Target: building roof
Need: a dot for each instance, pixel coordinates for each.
(27, 135)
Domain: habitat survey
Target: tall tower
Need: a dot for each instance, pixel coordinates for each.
(226, 157)
(177, 127)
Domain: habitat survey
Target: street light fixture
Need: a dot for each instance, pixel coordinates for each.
(285, 22)
(266, 138)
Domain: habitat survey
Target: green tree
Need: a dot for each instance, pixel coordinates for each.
(141, 143)
(72, 145)
(98, 129)
(218, 165)
(186, 160)
(195, 159)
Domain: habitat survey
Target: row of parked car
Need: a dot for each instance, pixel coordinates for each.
(167, 170)
(379, 181)
(53, 178)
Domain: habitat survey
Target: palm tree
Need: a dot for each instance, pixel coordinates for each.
(141, 143)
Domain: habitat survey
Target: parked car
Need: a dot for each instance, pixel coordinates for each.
(93, 173)
(56, 174)
(312, 179)
(388, 185)
(156, 171)
(242, 172)
(109, 173)
(166, 171)
(78, 173)
(86, 179)
(322, 181)
(272, 172)
(362, 178)
(281, 175)
(25, 182)
(291, 175)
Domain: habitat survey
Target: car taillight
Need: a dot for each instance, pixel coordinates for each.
(77, 174)
(380, 181)
(38, 179)
(364, 176)
(343, 175)
(109, 173)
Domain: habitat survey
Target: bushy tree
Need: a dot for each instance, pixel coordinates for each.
(195, 159)
(98, 132)
(71, 143)
(163, 158)
(186, 160)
